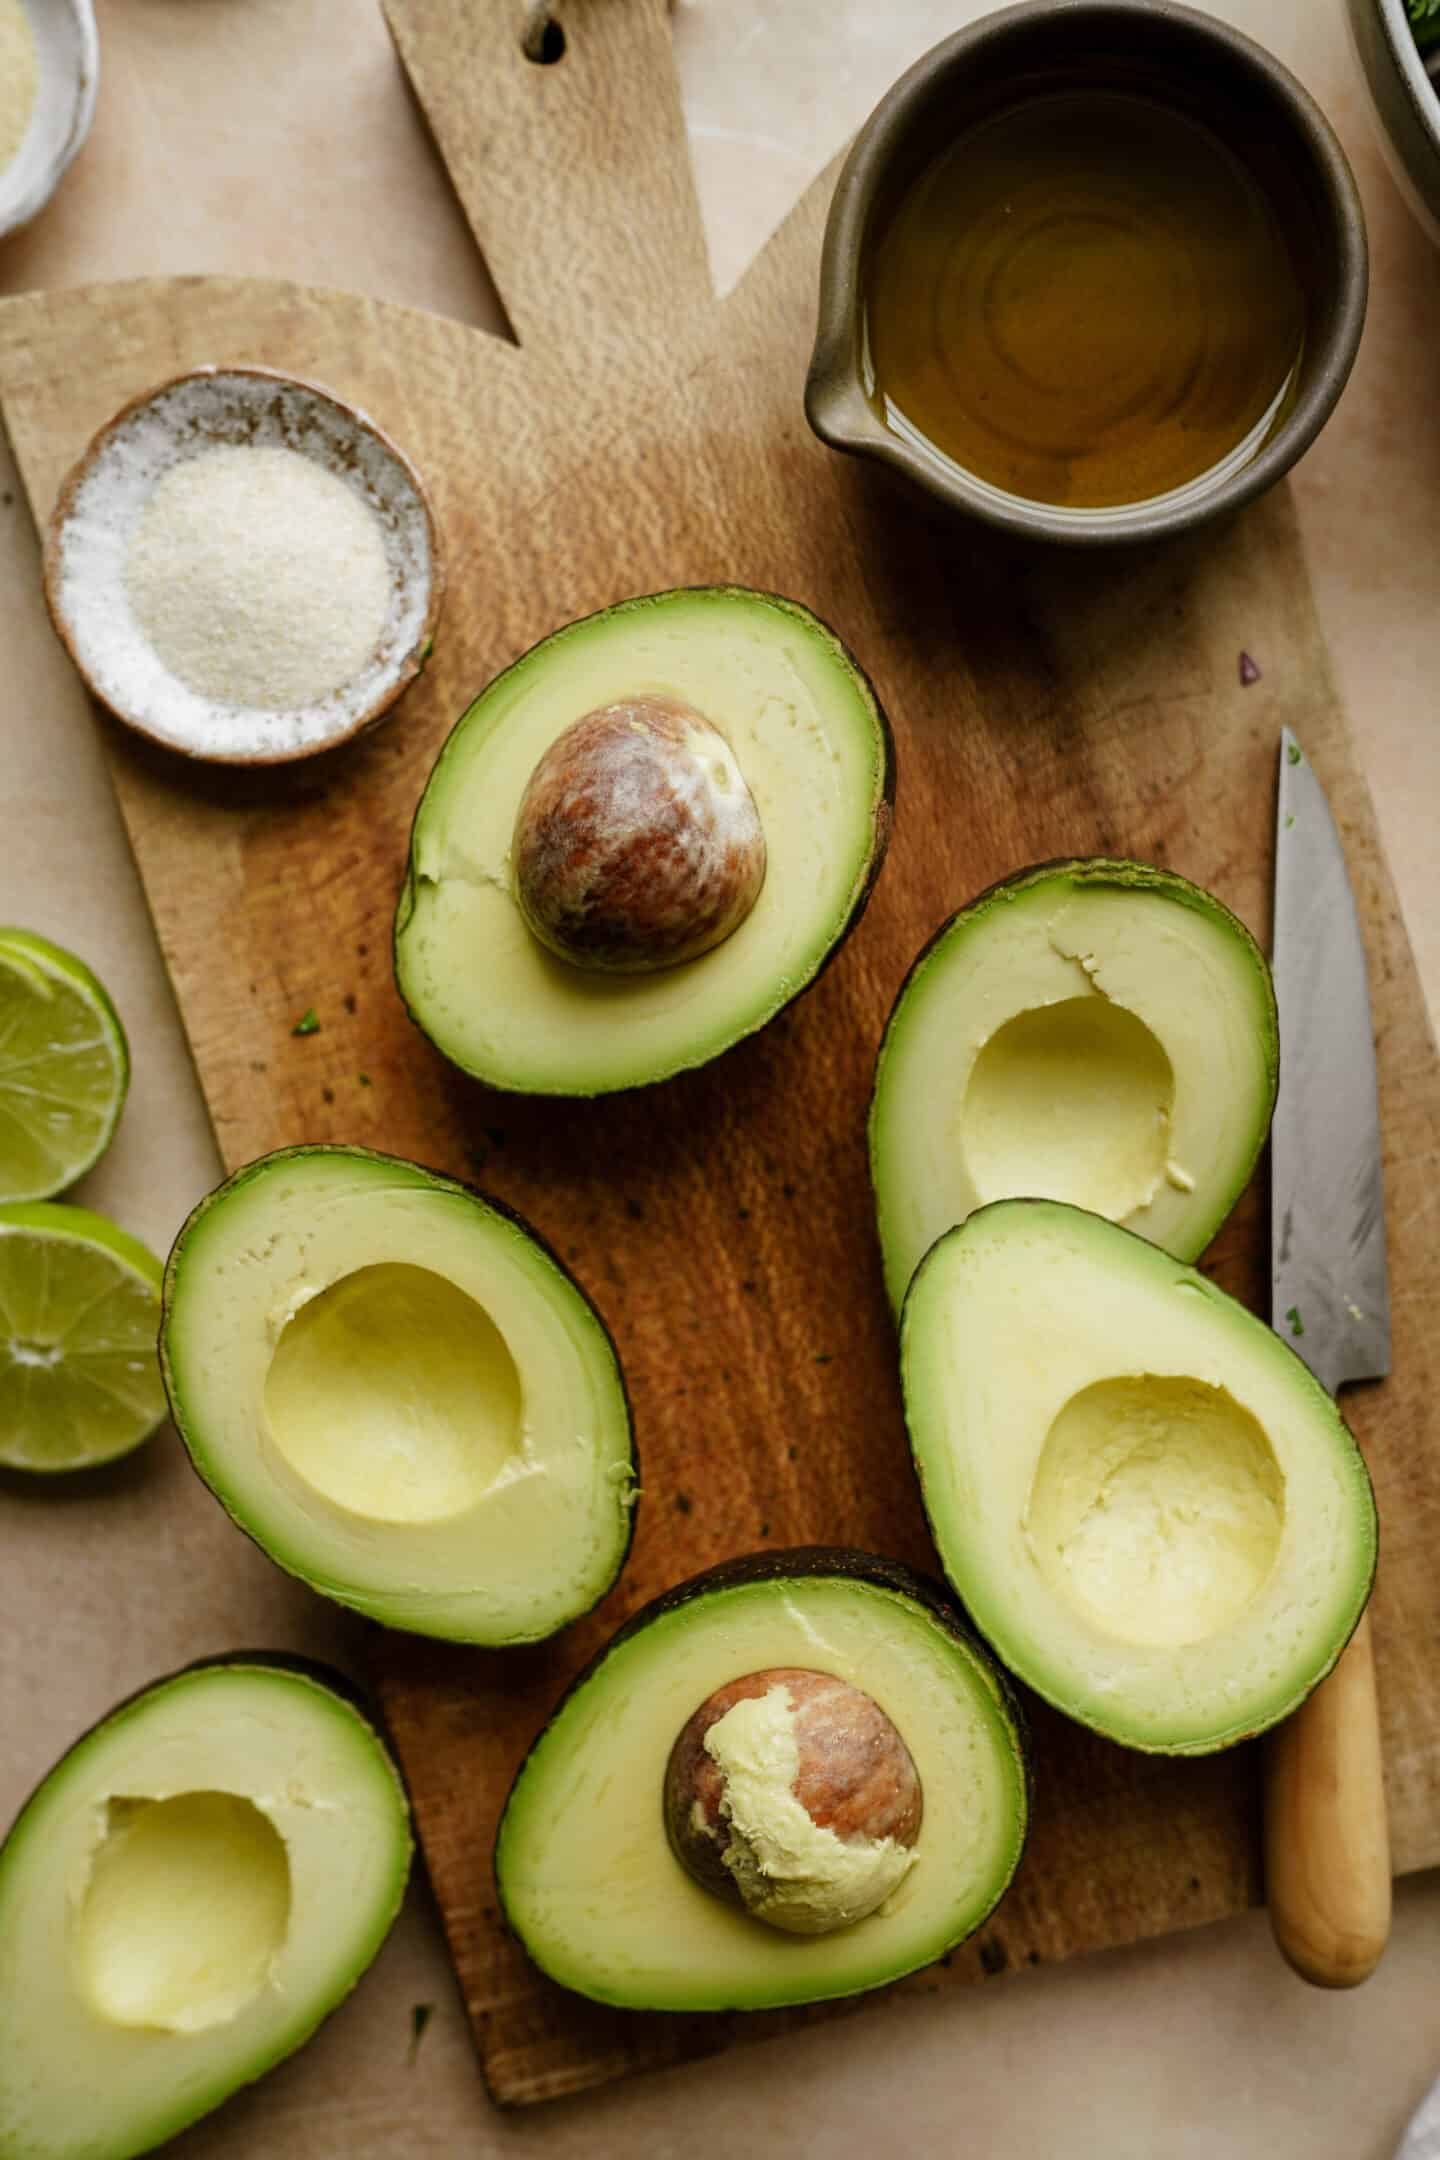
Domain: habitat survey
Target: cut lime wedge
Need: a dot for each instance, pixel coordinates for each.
(64, 1068)
(79, 1311)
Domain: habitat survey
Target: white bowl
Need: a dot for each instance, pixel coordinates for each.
(92, 525)
(68, 51)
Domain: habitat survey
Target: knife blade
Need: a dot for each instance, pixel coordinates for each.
(1327, 1849)
(1329, 1292)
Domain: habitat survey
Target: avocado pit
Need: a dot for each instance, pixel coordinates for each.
(637, 843)
(791, 1793)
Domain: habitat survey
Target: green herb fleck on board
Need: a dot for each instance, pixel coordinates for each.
(308, 1023)
(1292, 751)
(1289, 819)
(823, 1357)
(420, 2017)
(364, 1079)
(1297, 1325)
(682, 1503)
(764, 1529)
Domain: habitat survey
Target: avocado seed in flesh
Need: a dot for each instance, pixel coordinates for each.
(790, 1792)
(637, 842)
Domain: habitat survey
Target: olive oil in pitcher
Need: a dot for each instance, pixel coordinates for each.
(1087, 300)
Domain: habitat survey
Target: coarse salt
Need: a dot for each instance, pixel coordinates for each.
(19, 78)
(259, 577)
(244, 568)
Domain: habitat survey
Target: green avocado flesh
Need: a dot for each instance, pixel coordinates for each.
(1149, 1506)
(1096, 1032)
(399, 1393)
(585, 1871)
(814, 748)
(196, 1884)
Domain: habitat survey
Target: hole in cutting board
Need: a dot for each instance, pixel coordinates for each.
(544, 39)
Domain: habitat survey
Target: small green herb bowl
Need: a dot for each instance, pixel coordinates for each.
(1406, 103)
(1205, 68)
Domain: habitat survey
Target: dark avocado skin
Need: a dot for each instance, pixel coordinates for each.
(1222, 1297)
(444, 1183)
(882, 824)
(800, 1563)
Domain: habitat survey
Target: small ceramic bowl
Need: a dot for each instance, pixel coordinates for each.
(67, 51)
(98, 516)
(1405, 100)
(1176, 53)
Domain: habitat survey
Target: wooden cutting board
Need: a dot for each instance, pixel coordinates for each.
(643, 435)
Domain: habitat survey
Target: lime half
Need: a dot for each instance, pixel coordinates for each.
(64, 1068)
(79, 1313)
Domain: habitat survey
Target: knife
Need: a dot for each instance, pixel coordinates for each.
(1327, 1848)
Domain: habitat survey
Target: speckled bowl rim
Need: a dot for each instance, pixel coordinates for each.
(24, 207)
(406, 668)
(836, 404)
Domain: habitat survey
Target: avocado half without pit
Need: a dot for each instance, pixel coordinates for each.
(193, 1888)
(1102, 1033)
(400, 1394)
(795, 1777)
(641, 841)
(1146, 1502)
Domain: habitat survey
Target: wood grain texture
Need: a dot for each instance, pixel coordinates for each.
(1042, 705)
(1327, 1846)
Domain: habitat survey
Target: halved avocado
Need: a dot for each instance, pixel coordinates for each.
(585, 1871)
(1098, 1032)
(812, 743)
(197, 1883)
(400, 1394)
(1149, 1506)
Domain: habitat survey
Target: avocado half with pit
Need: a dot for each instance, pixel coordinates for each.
(401, 1395)
(1098, 1032)
(1148, 1505)
(193, 1888)
(796, 1776)
(798, 727)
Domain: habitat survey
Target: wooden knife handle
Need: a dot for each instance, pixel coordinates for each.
(1327, 1842)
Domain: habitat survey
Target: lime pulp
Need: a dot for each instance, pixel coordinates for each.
(79, 1311)
(64, 1068)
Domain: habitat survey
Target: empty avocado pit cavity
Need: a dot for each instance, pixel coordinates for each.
(1149, 1506)
(1094, 1032)
(790, 1792)
(400, 1393)
(194, 1886)
(1157, 1508)
(186, 1909)
(394, 1394)
(1071, 1101)
(637, 841)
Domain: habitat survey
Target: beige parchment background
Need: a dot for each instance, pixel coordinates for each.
(278, 137)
